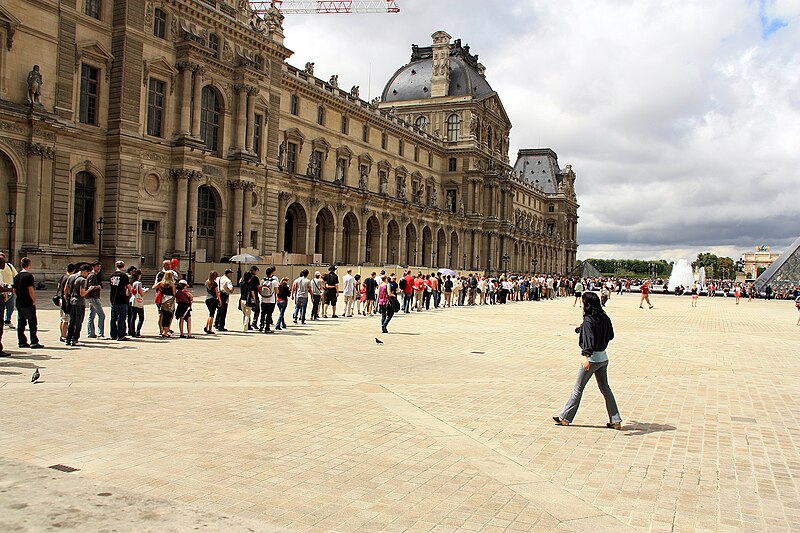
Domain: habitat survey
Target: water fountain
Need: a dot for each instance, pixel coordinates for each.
(682, 274)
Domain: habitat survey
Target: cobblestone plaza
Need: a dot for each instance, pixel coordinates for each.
(446, 426)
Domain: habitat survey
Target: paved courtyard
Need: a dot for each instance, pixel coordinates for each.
(446, 426)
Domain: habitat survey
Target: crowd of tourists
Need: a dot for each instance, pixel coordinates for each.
(263, 300)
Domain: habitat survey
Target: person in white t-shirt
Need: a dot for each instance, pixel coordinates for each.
(225, 290)
(267, 290)
(349, 291)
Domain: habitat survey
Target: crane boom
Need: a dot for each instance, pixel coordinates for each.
(304, 7)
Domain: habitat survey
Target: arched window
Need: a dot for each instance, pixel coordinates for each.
(207, 221)
(83, 211)
(422, 123)
(210, 118)
(453, 127)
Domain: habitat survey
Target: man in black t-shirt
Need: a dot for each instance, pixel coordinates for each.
(26, 305)
(119, 293)
(331, 291)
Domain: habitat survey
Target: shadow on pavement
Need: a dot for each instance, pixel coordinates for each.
(636, 429)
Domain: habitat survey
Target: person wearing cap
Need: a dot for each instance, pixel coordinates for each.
(225, 290)
(331, 291)
(183, 311)
(119, 293)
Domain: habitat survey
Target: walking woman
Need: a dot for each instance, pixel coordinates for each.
(594, 335)
(388, 303)
(184, 300)
(166, 290)
(282, 295)
(212, 300)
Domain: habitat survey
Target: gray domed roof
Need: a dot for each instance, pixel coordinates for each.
(413, 81)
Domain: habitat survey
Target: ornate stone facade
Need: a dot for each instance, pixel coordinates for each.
(161, 115)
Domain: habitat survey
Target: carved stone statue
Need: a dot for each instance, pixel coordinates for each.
(474, 125)
(334, 81)
(35, 87)
(384, 184)
(281, 156)
(354, 91)
(309, 68)
(275, 18)
(461, 209)
(434, 197)
(362, 180)
(374, 102)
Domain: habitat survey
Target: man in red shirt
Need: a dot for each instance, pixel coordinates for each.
(408, 291)
(419, 290)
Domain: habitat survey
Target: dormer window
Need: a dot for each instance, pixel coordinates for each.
(213, 42)
(160, 23)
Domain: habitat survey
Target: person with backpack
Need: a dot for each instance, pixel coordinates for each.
(282, 294)
(448, 290)
(138, 291)
(63, 302)
(267, 290)
(183, 311)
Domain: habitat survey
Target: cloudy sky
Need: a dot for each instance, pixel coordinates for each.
(681, 119)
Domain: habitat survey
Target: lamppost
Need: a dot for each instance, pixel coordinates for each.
(478, 261)
(393, 254)
(100, 225)
(240, 238)
(415, 256)
(465, 263)
(189, 275)
(433, 259)
(506, 259)
(11, 216)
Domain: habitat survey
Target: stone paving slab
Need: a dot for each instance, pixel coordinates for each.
(446, 426)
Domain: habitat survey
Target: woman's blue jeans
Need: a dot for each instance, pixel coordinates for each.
(600, 371)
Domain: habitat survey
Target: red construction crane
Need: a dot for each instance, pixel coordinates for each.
(305, 7)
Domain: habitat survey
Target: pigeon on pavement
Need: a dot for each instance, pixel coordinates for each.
(35, 376)
(378, 341)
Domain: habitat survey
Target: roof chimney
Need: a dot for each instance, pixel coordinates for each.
(440, 83)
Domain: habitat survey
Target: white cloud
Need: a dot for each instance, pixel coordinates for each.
(681, 120)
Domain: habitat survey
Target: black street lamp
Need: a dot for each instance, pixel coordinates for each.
(478, 261)
(189, 274)
(433, 259)
(100, 225)
(465, 263)
(415, 257)
(11, 216)
(506, 259)
(240, 239)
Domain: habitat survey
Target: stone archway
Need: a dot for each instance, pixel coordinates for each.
(411, 251)
(372, 253)
(295, 225)
(8, 180)
(453, 257)
(427, 247)
(350, 233)
(325, 227)
(441, 249)
(393, 243)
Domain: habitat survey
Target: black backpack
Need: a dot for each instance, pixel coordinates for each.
(402, 284)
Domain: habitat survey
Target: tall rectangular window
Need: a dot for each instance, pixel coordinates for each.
(344, 124)
(384, 140)
(160, 24)
(401, 147)
(258, 121)
(416, 154)
(451, 164)
(213, 43)
(365, 133)
(294, 104)
(291, 158)
(90, 93)
(430, 159)
(92, 8)
(321, 115)
(155, 108)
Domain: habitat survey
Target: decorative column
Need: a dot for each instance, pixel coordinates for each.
(46, 195)
(181, 177)
(311, 234)
(186, 98)
(197, 97)
(362, 239)
(193, 183)
(33, 214)
(247, 206)
(283, 198)
(241, 114)
(237, 197)
(251, 118)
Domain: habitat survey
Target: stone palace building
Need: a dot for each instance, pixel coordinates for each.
(158, 116)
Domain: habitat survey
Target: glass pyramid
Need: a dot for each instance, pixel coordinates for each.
(784, 273)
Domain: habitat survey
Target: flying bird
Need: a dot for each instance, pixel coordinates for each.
(35, 377)
(378, 341)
